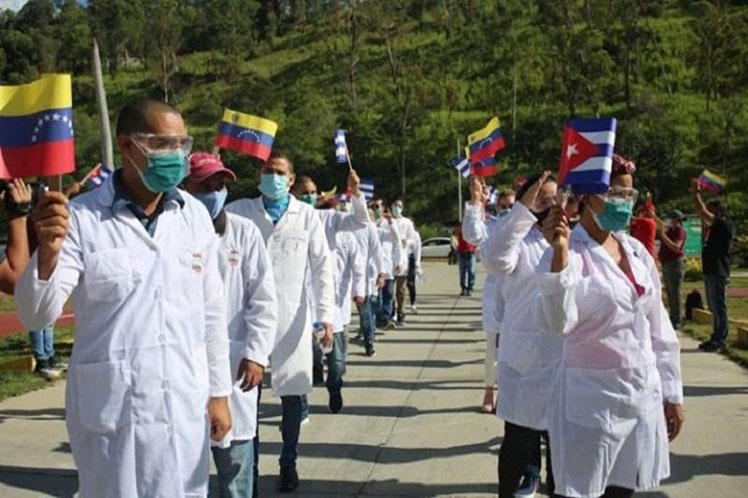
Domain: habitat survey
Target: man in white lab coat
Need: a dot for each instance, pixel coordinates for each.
(370, 246)
(251, 313)
(149, 375)
(295, 239)
(389, 238)
(407, 241)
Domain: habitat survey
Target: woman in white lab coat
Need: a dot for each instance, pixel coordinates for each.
(617, 395)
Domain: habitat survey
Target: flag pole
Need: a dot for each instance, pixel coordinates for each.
(348, 157)
(459, 184)
(107, 153)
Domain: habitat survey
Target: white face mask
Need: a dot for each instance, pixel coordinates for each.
(397, 211)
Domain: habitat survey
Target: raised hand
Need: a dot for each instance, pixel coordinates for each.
(556, 228)
(354, 182)
(50, 218)
(528, 199)
(477, 192)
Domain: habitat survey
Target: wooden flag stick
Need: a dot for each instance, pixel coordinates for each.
(216, 151)
(348, 157)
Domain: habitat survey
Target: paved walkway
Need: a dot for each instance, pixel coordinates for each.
(410, 426)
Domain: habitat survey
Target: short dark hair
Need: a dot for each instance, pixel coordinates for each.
(134, 117)
(716, 206)
(530, 182)
(283, 157)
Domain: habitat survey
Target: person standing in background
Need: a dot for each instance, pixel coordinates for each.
(644, 226)
(466, 259)
(715, 260)
(414, 270)
(672, 242)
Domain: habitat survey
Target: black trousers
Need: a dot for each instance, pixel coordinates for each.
(412, 278)
(612, 492)
(520, 448)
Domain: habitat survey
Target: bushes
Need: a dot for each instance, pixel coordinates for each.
(693, 270)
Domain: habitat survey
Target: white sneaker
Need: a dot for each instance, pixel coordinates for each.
(414, 309)
(305, 420)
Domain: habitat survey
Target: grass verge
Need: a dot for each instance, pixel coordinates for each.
(17, 346)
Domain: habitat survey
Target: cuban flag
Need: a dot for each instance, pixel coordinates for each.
(462, 164)
(587, 155)
(341, 149)
(367, 187)
(98, 177)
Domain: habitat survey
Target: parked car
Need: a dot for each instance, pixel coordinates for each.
(435, 247)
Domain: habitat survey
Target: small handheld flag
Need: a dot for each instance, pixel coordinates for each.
(367, 187)
(36, 128)
(341, 149)
(711, 182)
(587, 155)
(483, 145)
(97, 177)
(462, 164)
(246, 134)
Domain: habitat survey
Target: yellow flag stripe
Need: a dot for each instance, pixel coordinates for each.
(249, 121)
(485, 132)
(51, 91)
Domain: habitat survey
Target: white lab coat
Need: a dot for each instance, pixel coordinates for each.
(251, 314)
(621, 358)
(476, 230)
(297, 246)
(150, 347)
(528, 356)
(350, 277)
(337, 221)
(407, 241)
(389, 237)
(371, 248)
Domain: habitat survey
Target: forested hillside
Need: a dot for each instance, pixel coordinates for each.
(408, 78)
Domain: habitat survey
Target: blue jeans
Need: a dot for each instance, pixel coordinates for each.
(366, 318)
(716, 298)
(290, 428)
(467, 270)
(335, 361)
(384, 303)
(42, 343)
(234, 466)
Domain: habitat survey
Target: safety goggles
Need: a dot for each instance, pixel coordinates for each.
(622, 194)
(151, 142)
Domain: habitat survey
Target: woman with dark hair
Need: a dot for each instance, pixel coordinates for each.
(600, 291)
(527, 356)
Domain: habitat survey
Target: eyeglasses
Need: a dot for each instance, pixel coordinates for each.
(152, 142)
(623, 193)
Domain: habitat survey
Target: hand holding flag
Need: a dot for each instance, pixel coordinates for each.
(354, 182)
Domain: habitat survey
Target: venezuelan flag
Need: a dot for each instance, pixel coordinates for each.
(485, 143)
(712, 182)
(36, 128)
(246, 134)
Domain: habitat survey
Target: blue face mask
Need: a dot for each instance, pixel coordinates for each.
(310, 199)
(165, 170)
(273, 186)
(397, 211)
(616, 215)
(213, 201)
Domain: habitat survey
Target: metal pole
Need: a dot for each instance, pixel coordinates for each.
(459, 185)
(107, 153)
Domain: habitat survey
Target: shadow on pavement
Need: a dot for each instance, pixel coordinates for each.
(693, 391)
(51, 482)
(40, 414)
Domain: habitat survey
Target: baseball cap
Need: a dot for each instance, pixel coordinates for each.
(203, 165)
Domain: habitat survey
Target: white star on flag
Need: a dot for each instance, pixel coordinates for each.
(56, 117)
(571, 150)
(33, 138)
(47, 117)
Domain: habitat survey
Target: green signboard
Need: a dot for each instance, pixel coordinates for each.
(692, 224)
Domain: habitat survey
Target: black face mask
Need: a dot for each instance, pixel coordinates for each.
(541, 216)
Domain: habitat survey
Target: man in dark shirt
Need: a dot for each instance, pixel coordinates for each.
(672, 241)
(715, 260)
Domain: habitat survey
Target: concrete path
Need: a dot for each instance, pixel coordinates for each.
(410, 425)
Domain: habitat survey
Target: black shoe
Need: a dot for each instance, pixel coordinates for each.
(463, 292)
(336, 401)
(469, 292)
(318, 375)
(289, 479)
(705, 345)
(370, 349)
(59, 365)
(711, 347)
(45, 370)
